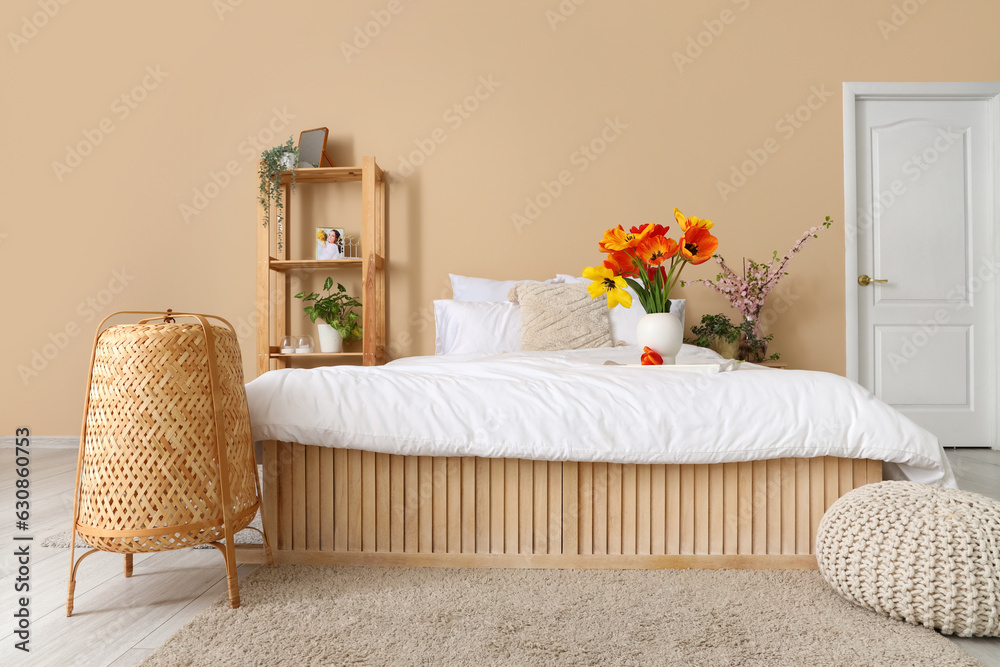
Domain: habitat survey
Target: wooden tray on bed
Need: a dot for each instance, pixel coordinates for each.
(348, 507)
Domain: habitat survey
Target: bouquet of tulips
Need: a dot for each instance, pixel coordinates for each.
(647, 260)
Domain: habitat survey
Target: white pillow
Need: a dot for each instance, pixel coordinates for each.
(464, 288)
(476, 326)
(625, 320)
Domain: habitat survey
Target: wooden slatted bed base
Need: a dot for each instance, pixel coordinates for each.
(348, 507)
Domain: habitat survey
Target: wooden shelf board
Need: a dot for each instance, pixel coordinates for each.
(290, 264)
(323, 175)
(318, 355)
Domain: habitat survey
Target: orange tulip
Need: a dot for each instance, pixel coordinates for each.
(623, 264)
(658, 230)
(694, 221)
(656, 249)
(651, 357)
(698, 245)
(619, 239)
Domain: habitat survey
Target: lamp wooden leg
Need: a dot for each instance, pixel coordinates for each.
(232, 579)
(128, 565)
(72, 578)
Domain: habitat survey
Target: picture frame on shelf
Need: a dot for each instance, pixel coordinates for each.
(329, 243)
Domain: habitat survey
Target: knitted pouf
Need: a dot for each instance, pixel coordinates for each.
(917, 553)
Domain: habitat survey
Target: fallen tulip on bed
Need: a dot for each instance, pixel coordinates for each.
(646, 260)
(651, 358)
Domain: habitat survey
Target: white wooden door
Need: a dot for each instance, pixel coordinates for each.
(925, 222)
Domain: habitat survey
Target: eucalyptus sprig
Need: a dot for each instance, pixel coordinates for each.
(269, 179)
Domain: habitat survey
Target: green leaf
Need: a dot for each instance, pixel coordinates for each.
(328, 283)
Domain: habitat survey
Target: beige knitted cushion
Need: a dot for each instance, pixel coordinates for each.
(561, 317)
(918, 553)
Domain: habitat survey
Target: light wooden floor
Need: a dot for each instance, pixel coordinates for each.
(120, 621)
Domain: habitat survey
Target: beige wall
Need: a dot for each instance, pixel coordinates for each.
(107, 232)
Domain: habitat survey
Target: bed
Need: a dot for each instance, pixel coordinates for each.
(560, 459)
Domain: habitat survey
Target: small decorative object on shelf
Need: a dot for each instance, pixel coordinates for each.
(748, 293)
(304, 345)
(336, 309)
(329, 243)
(288, 345)
(651, 264)
(352, 247)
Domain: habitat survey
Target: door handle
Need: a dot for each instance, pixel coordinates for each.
(865, 281)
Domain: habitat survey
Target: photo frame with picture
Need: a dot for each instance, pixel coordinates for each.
(329, 243)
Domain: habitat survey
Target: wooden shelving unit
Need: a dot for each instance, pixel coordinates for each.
(273, 300)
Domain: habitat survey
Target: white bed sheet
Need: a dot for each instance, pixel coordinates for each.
(569, 406)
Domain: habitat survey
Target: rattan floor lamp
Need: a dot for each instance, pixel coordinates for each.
(166, 456)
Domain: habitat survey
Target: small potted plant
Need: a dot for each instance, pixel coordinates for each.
(718, 333)
(340, 323)
(273, 162)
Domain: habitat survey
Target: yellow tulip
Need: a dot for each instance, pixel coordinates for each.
(606, 282)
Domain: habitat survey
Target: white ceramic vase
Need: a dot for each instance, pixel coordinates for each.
(329, 339)
(288, 161)
(661, 332)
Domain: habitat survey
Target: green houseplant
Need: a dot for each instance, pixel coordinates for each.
(336, 310)
(720, 334)
(273, 162)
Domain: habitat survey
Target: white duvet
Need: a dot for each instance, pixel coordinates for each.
(569, 406)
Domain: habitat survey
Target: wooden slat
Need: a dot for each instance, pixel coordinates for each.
(482, 506)
(643, 511)
(397, 501)
(760, 509)
(731, 509)
(860, 472)
(701, 514)
(468, 505)
(774, 506)
(271, 483)
(687, 509)
(614, 508)
(525, 503)
(511, 507)
(629, 509)
(382, 497)
(874, 472)
(555, 485)
(846, 475)
(600, 508)
(571, 509)
(802, 495)
(439, 465)
(368, 501)
(540, 519)
(299, 496)
(496, 506)
(658, 509)
(673, 511)
(326, 504)
(716, 504)
(411, 513)
(454, 505)
(425, 476)
(285, 509)
(745, 509)
(585, 478)
(831, 483)
(817, 497)
(340, 500)
(354, 501)
(787, 506)
(313, 506)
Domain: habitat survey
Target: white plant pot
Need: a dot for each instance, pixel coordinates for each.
(288, 161)
(661, 332)
(329, 339)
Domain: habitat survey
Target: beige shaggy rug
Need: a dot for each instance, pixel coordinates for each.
(300, 615)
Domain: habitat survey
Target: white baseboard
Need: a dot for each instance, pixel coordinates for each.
(44, 442)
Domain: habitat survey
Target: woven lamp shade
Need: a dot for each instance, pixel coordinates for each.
(166, 456)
